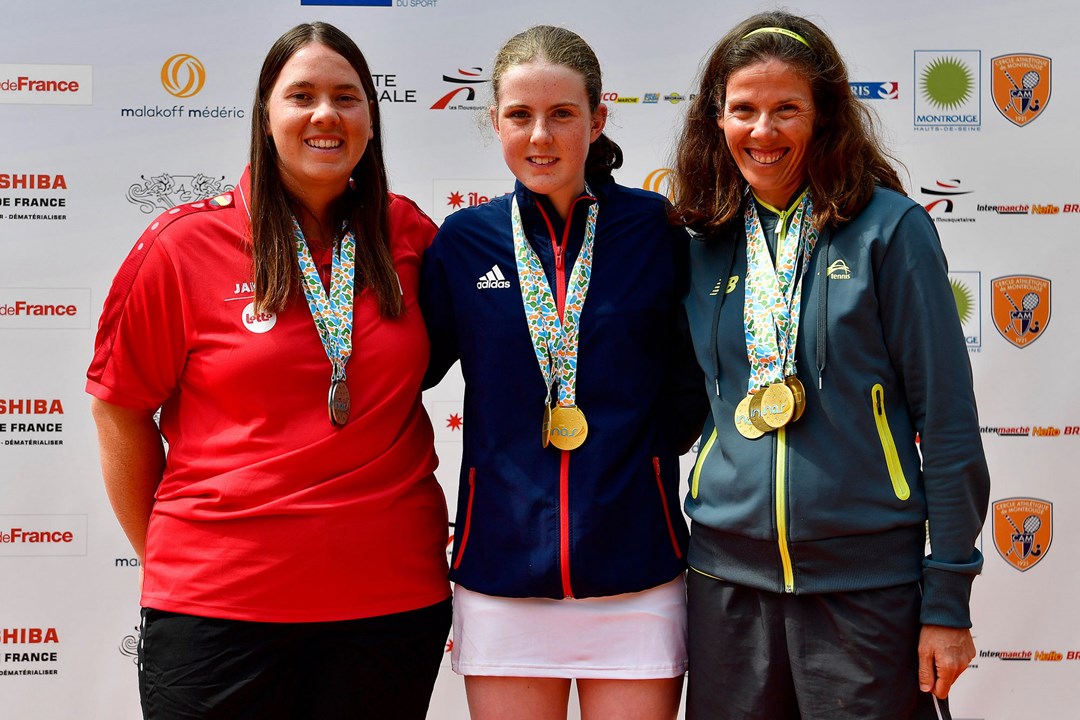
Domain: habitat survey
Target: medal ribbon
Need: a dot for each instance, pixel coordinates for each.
(333, 311)
(555, 341)
(774, 294)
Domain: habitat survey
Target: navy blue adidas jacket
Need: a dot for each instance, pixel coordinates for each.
(602, 519)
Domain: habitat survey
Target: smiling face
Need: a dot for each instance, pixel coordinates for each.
(320, 122)
(545, 127)
(768, 123)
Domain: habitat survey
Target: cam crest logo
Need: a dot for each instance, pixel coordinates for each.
(1020, 86)
(1020, 307)
(1023, 529)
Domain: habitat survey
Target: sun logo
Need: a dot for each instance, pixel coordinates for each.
(965, 301)
(947, 83)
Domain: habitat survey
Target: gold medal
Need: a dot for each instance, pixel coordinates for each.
(776, 405)
(339, 403)
(742, 420)
(568, 427)
(754, 412)
(798, 393)
(545, 427)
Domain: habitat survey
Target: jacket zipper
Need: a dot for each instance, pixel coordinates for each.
(781, 500)
(696, 479)
(783, 215)
(564, 461)
(892, 458)
(781, 510)
(667, 509)
(468, 518)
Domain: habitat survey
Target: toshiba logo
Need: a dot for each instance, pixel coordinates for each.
(28, 635)
(32, 181)
(31, 406)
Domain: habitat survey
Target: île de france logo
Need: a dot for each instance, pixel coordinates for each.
(1023, 529)
(1020, 85)
(1020, 307)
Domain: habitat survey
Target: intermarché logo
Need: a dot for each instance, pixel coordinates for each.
(183, 75)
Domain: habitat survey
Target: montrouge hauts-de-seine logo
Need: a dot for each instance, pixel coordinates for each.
(948, 90)
(1023, 529)
(1020, 86)
(967, 292)
(1020, 307)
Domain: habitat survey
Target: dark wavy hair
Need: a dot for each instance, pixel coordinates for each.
(276, 271)
(560, 46)
(845, 157)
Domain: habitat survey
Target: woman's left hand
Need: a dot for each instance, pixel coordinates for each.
(944, 653)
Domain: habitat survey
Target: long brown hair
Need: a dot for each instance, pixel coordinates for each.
(560, 46)
(845, 158)
(277, 275)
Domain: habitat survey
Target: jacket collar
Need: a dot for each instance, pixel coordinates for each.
(531, 204)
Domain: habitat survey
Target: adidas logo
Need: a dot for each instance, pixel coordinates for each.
(493, 278)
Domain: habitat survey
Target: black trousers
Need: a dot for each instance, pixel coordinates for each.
(210, 669)
(757, 655)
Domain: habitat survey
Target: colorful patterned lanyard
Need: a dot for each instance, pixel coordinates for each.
(774, 294)
(333, 312)
(555, 342)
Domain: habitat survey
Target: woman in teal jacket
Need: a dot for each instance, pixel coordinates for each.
(822, 314)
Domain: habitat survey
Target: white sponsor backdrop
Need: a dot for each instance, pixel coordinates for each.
(83, 170)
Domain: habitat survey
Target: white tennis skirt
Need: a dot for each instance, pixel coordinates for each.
(634, 636)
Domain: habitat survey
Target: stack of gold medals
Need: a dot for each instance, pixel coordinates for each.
(773, 300)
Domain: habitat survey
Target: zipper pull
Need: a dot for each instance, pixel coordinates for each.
(558, 257)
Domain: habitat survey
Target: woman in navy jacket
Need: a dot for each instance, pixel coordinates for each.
(562, 302)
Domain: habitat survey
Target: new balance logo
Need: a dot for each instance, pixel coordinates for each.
(731, 283)
(492, 279)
